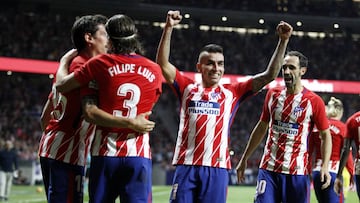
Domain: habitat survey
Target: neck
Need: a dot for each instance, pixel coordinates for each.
(294, 89)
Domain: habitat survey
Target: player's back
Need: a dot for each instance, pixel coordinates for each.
(128, 84)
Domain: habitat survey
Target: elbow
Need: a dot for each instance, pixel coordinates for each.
(59, 86)
(89, 113)
(271, 75)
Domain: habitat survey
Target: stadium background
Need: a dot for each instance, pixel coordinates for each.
(327, 31)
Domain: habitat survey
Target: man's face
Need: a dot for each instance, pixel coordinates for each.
(211, 67)
(100, 40)
(291, 71)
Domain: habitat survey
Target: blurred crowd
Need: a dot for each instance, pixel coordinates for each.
(346, 8)
(46, 36)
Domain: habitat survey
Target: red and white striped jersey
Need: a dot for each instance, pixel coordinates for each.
(206, 115)
(353, 129)
(291, 119)
(68, 136)
(353, 133)
(338, 132)
(127, 86)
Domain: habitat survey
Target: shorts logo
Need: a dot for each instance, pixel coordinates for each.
(174, 191)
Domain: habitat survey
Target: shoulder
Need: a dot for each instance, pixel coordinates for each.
(355, 118)
(313, 97)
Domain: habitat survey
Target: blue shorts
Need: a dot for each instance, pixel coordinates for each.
(63, 182)
(357, 182)
(328, 194)
(277, 187)
(126, 177)
(201, 184)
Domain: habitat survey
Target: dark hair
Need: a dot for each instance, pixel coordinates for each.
(85, 24)
(212, 48)
(303, 60)
(123, 35)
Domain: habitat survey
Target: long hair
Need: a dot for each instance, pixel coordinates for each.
(123, 35)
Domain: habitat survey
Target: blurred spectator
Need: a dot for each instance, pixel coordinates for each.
(8, 168)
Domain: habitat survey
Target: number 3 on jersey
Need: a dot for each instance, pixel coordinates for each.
(132, 93)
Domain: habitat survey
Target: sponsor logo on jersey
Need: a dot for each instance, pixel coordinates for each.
(204, 107)
(286, 128)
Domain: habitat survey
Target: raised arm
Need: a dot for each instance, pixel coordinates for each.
(326, 148)
(284, 31)
(343, 159)
(255, 139)
(162, 57)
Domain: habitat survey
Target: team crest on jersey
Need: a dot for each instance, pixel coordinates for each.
(297, 111)
(215, 95)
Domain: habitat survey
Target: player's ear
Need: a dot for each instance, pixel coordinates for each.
(198, 67)
(303, 70)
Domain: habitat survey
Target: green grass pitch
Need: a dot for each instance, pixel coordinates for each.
(236, 194)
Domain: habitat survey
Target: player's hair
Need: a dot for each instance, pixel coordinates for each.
(212, 48)
(303, 60)
(337, 103)
(339, 108)
(123, 35)
(85, 24)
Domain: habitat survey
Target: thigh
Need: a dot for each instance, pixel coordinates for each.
(45, 172)
(65, 182)
(138, 171)
(213, 184)
(317, 186)
(184, 185)
(100, 175)
(357, 182)
(295, 188)
(267, 188)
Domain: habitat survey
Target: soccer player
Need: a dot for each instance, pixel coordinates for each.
(334, 111)
(128, 85)
(289, 114)
(207, 108)
(353, 134)
(64, 144)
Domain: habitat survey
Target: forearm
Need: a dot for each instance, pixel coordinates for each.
(163, 54)
(101, 118)
(67, 84)
(255, 139)
(273, 68)
(326, 147)
(63, 69)
(276, 60)
(344, 156)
